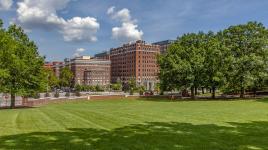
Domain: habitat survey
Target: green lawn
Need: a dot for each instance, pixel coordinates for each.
(138, 124)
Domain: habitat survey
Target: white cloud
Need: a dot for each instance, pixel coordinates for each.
(80, 29)
(128, 31)
(5, 4)
(42, 14)
(110, 10)
(78, 52)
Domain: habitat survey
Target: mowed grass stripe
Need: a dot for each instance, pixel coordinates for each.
(68, 119)
(126, 114)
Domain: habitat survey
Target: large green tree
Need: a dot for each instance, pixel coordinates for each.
(216, 60)
(183, 65)
(21, 65)
(248, 46)
(52, 79)
(66, 77)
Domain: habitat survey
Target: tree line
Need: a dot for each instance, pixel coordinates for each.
(232, 60)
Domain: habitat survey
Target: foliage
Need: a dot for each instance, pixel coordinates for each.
(117, 86)
(66, 77)
(47, 95)
(183, 65)
(232, 60)
(53, 81)
(67, 94)
(132, 86)
(141, 90)
(21, 66)
(99, 88)
(249, 53)
(57, 94)
(77, 93)
(79, 88)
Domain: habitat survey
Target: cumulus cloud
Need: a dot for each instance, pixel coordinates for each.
(80, 29)
(5, 4)
(128, 31)
(42, 14)
(78, 52)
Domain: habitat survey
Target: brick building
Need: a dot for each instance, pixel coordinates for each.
(104, 55)
(89, 71)
(135, 60)
(56, 67)
(164, 45)
(48, 65)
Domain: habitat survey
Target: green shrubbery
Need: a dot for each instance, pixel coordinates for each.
(87, 88)
(57, 95)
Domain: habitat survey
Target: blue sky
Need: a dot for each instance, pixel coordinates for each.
(51, 23)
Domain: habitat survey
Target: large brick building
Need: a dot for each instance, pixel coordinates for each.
(56, 67)
(135, 60)
(104, 55)
(89, 71)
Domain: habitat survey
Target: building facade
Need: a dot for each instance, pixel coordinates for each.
(104, 55)
(56, 67)
(89, 71)
(135, 61)
(164, 45)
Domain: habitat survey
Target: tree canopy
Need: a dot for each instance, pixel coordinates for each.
(66, 77)
(21, 66)
(234, 59)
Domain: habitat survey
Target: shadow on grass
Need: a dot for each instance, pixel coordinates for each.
(17, 107)
(180, 99)
(264, 100)
(153, 135)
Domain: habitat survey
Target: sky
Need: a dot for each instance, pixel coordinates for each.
(69, 28)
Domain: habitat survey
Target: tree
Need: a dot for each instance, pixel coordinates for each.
(21, 66)
(216, 57)
(66, 77)
(132, 86)
(248, 46)
(53, 80)
(116, 86)
(183, 65)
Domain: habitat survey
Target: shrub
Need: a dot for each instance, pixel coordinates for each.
(141, 90)
(68, 94)
(78, 87)
(36, 96)
(47, 95)
(99, 88)
(116, 87)
(131, 91)
(78, 94)
(57, 95)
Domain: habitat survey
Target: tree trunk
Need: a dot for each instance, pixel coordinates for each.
(213, 92)
(195, 91)
(203, 92)
(192, 92)
(242, 92)
(255, 92)
(13, 99)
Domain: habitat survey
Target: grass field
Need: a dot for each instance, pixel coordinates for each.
(138, 124)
